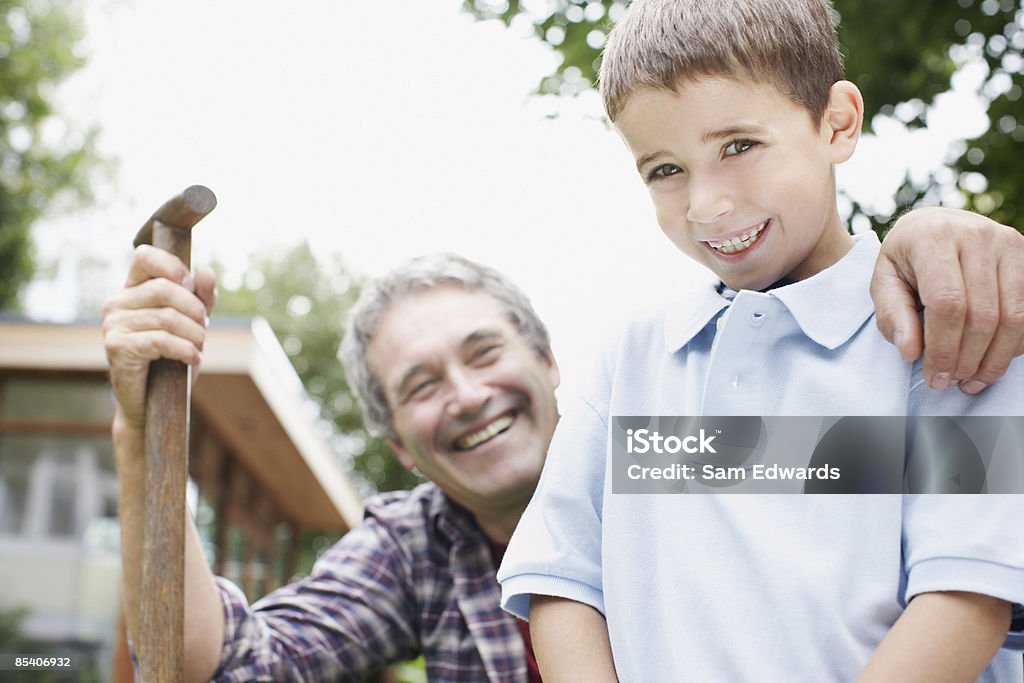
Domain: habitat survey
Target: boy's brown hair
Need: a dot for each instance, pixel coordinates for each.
(790, 44)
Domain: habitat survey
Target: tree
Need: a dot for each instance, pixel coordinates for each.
(306, 304)
(42, 162)
(897, 51)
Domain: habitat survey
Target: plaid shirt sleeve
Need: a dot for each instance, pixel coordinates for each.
(353, 615)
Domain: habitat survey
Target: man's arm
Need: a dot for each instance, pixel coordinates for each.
(968, 274)
(570, 640)
(947, 637)
(160, 313)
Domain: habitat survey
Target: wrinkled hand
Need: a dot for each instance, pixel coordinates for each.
(968, 272)
(161, 312)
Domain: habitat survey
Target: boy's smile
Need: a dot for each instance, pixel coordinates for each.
(741, 180)
(731, 244)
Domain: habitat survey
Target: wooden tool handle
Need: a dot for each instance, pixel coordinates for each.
(162, 596)
(182, 212)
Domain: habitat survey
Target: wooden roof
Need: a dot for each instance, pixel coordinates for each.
(247, 394)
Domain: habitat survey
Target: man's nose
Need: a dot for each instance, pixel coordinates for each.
(468, 393)
(709, 199)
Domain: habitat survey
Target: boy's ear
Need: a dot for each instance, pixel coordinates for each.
(402, 454)
(844, 117)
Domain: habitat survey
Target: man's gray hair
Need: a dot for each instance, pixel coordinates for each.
(421, 273)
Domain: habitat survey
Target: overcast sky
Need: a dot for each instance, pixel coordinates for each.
(382, 130)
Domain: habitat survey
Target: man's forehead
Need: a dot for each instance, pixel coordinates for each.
(430, 321)
(449, 306)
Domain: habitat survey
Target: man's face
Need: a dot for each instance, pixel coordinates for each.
(741, 181)
(473, 405)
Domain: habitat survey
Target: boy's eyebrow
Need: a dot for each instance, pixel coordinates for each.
(730, 132)
(709, 136)
(648, 158)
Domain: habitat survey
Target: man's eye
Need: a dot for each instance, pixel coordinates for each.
(421, 389)
(738, 147)
(485, 354)
(663, 171)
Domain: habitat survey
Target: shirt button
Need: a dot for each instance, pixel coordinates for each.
(757, 318)
(736, 383)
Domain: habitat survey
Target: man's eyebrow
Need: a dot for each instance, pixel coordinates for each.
(730, 132)
(407, 377)
(477, 336)
(474, 337)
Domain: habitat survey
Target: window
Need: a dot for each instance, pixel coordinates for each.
(56, 456)
(54, 486)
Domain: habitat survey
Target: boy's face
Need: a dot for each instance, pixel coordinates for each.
(741, 180)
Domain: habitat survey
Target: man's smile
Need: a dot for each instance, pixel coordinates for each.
(485, 433)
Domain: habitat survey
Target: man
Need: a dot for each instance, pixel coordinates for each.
(455, 368)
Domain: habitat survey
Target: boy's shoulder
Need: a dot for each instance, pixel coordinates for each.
(631, 344)
(1004, 397)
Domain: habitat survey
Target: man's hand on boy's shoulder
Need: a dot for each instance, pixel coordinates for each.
(968, 273)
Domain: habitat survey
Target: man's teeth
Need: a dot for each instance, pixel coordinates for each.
(485, 434)
(740, 243)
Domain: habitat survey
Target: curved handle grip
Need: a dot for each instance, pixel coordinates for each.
(180, 212)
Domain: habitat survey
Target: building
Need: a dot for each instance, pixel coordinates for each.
(260, 462)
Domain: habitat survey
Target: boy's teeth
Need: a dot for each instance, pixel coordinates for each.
(735, 244)
(488, 432)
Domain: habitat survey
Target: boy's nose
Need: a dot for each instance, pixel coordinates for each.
(709, 200)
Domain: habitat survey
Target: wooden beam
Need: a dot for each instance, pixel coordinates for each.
(75, 427)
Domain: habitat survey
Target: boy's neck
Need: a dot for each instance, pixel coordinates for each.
(778, 283)
(833, 244)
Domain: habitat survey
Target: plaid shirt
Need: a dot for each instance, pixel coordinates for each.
(415, 578)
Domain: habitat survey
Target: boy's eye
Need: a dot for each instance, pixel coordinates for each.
(738, 147)
(663, 171)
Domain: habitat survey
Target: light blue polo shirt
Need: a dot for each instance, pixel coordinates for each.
(760, 587)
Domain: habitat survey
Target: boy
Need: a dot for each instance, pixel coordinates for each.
(736, 113)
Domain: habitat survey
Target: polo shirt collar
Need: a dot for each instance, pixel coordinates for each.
(686, 317)
(829, 307)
